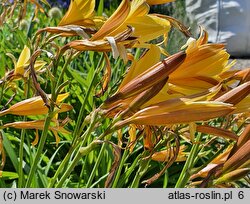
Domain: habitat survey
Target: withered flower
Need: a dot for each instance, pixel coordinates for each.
(38, 125)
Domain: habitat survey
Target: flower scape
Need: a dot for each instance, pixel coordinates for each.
(96, 98)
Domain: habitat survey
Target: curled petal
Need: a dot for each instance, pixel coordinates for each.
(103, 45)
(69, 30)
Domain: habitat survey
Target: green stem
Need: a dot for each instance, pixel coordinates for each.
(118, 174)
(82, 152)
(60, 79)
(1, 92)
(30, 28)
(189, 164)
(20, 164)
(71, 150)
(97, 163)
(144, 164)
(61, 167)
(77, 130)
(39, 149)
(20, 167)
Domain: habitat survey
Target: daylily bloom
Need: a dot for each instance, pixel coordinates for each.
(141, 98)
(78, 20)
(79, 13)
(22, 63)
(150, 77)
(202, 67)
(133, 14)
(35, 106)
(140, 70)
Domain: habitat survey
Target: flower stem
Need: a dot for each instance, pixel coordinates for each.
(60, 79)
(20, 167)
(185, 174)
(72, 149)
(82, 152)
(39, 149)
(118, 174)
(77, 130)
(97, 163)
(144, 164)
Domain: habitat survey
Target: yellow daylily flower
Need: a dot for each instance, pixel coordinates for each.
(128, 90)
(202, 67)
(23, 62)
(129, 26)
(134, 13)
(35, 106)
(79, 13)
(79, 20)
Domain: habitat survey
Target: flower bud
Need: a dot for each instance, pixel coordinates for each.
(149, 78)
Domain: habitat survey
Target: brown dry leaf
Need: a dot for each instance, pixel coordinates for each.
(115, 164)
